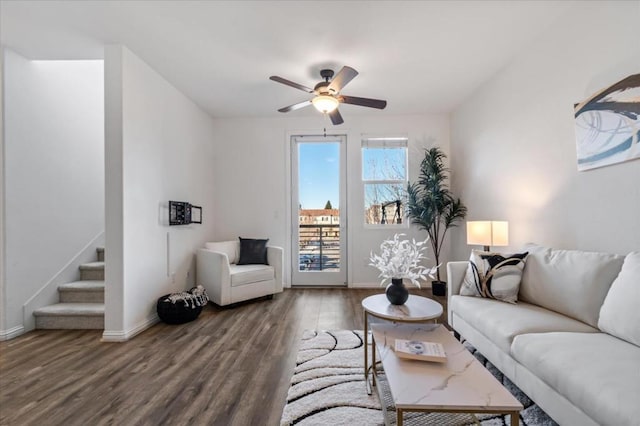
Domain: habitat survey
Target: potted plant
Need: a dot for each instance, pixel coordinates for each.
(400, 259)
(432, 206)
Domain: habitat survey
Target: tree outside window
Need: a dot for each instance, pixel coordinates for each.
(384, 176)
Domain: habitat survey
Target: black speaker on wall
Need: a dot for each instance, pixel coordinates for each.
(183, 213)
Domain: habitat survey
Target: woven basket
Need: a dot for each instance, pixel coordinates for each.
(176, 313)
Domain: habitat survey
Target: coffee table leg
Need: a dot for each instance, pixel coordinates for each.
(515, 418)
(399, 417)
(366, 356)
(373, 360)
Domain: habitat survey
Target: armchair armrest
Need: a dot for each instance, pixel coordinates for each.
(275, 258)
(213, 273)
(455, 274)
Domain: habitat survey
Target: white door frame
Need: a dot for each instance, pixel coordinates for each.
(316, 278)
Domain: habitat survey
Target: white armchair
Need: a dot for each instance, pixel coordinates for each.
(227, 283)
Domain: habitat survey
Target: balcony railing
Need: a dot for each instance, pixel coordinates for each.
(319, 247)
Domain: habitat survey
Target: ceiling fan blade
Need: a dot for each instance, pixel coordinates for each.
(371, 103)
(341, 79)
(295, 106)
(290, 83)
(336, 118)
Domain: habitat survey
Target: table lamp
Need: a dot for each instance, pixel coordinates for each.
(488, 233)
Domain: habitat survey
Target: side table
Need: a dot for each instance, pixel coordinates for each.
(415, 310)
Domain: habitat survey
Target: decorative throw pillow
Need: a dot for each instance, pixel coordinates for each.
(253, 251)
(494, 275)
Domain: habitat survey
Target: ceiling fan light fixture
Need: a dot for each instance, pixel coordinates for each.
(328, 94)
(325, 103)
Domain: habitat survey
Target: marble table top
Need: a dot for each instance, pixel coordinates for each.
(416, 308)
(462, 383)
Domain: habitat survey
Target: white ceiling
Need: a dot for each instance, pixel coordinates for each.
(422, 57)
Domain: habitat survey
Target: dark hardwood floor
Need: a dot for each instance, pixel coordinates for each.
(231, 366)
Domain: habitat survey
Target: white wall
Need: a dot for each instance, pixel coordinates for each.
(3, 311)
(513, 143)
(159, 147)
(54, 170)
(252, 177)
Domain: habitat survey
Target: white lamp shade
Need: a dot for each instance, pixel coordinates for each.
(499, 233)
(325, 103)
(479, 233)
(488, 233)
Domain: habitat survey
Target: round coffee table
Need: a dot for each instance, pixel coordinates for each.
(415, 309)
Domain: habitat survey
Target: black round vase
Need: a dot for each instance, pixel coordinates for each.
(396, 292)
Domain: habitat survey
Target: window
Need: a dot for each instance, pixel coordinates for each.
(384, 176)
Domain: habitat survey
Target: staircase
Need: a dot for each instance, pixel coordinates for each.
(81, 302)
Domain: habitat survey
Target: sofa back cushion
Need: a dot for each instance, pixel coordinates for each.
(230, 248)
(571, 282)
(620, 313)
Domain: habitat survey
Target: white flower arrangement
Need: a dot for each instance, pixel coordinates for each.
(401, 259)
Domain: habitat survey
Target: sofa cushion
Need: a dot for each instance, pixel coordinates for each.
(620, 313)
(595, 371)
(571, 282)
(247, 274)
(501, 322)
(230, 248)
(493, 275)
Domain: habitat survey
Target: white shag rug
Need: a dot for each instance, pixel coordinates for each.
(327, 387)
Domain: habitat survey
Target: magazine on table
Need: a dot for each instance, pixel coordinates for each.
(423, 351)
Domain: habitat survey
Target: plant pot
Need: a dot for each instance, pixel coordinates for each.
(439, 288)
(396, 292)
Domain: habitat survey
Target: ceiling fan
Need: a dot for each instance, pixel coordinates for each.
(327, 94)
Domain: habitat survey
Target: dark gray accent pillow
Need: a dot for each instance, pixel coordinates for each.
(253, 251)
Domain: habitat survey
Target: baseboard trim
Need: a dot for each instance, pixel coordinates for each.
(365, 285)
(11, 333)
(123, 336)
(377, 285)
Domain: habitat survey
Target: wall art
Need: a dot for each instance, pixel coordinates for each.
(608, 126)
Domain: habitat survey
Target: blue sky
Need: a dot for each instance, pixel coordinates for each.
(319, 173)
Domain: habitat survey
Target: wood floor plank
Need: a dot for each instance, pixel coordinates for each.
(232, 366)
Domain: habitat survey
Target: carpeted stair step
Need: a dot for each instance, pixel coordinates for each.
(100, 251)
(92, 271)
(71, 316)
(89, 291)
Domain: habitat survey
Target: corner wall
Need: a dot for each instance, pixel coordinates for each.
(253, 172)
(3, 311)
(159, 147)
(53, 171)
(513, 142)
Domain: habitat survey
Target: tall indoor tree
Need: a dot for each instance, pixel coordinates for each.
(432, 206)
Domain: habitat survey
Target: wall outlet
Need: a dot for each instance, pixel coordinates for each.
(173, 277)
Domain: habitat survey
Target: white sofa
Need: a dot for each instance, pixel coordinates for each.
(227, 283)
(572, 342)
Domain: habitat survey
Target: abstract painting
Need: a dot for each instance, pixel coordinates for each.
(608, 125)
